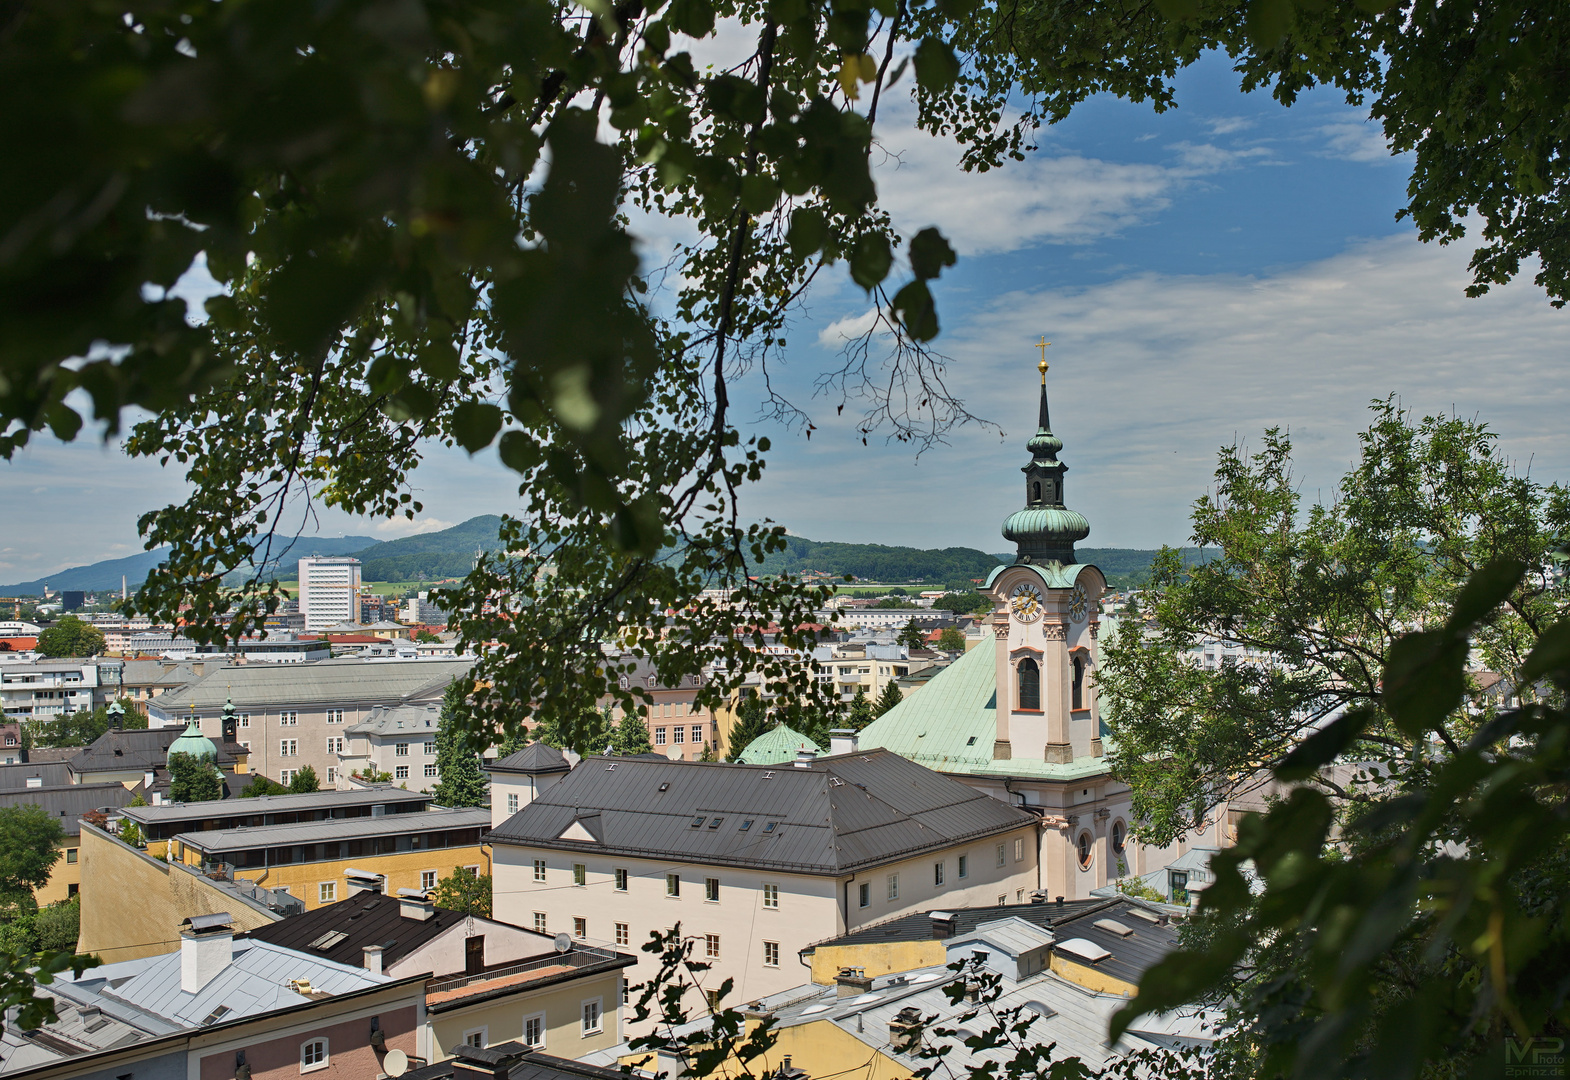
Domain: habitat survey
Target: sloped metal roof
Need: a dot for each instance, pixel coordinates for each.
(952, 723)
(780, 743)
(534, 759)
(366, 919)
(315, 832)
(839, 815)
(66, 803)
(48, 773)
(326, 682)
(261, 805)
(139, 749)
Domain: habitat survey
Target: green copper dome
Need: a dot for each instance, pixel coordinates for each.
(1045, 530)
(193, 742)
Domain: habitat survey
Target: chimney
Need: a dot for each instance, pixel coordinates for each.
(486, 1062)
(843, 741)
(805, 758)
(362, 881)
(905, 1031)
(942, 924)
(852, 982)
(415, 904)
(373, 959)
(206, 948)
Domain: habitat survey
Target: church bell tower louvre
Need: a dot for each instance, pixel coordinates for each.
(1046, 616)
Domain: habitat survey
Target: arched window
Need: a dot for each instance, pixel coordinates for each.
(1079, 682)
(1029, 684)
(1085, 851)
(1036, 491)
(1118, 838)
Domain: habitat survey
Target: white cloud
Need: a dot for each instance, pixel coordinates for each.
(1227, 125)
(1355, 140)
(837, 333)
(405, 527)
(1152, 373)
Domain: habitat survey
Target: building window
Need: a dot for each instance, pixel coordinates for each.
(1003, 899)
(335, 745)
(539, 922)
(672, 884)
(593, 1017)
(70, 854)
(893, 886)
(621, 879)
(771, 896)
(678, 734)
(580, 927)
(1117, 838)
(326, 892)
(401, 749)
(697, 733)
(623, 935)
(713, 998)
(771, 954)
(539, 869)
(711, 946)
(864, 895)
(937, 873)
(285, 775)
(475, 1038)
(580, 874)
(1079, 682)
(659, 736)
(430, 770)
(1029, 685)
(245, 719)
(534, 1031)
(1177, 887)
(400, 772)
(711, 890)
(427, 879)
(1019, 848)
(332, 774)
(313, 1055)
(288, 719)
(1085, 852)
(964, 866)
(512, 804)
(335, 716)
(430, 749)
(288, 747)
(1001, 859)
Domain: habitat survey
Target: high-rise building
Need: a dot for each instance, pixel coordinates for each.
(329, 591)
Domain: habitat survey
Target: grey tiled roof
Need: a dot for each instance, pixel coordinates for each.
(839, 815)
(348, 681)
(138, 749)
(919, 925)
(66, 803)
(534, 759)
(314, 832)
(50, 773)
(367, 919)
(273, 804)
(397, 720)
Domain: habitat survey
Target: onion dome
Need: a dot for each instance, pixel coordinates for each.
(193, 742)
(1045, 530)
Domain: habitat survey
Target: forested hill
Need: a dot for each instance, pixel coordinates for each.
(105, 576)
(877, 562)
(430, 556)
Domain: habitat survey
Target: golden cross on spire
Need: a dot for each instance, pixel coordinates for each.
(1042, 367)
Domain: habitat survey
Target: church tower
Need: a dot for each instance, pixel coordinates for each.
(1046, 617)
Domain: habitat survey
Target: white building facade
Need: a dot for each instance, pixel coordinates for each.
(329, 591)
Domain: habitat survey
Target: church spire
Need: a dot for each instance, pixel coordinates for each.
(1045, 530)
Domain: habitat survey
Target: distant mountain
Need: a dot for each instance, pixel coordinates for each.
(876, 562)
(431, 556)
(1127, 567)
(105, 576)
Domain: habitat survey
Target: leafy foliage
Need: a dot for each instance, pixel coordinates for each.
(59, 925)
(261, 785)
(459, 779)
(890, 697)
(952, 639)
(71, 636)
(1321, 598)
(966, 603)
(304, 781)
(878, 562)
(1433, 928)
(860, 713)
(465, 892)
(912, 636)
(631, 735)
(752, 720)
(193, 779)
(84, 727)
(29, 848)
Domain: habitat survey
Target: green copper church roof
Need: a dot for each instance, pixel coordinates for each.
(950, 724)
(193, 742)
(1054, 575)
(1045, 530)
(777, 745)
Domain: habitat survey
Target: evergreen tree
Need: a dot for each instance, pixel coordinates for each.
(890, 697)
(631, 736)
(860, 714)
(304, 782)
(912, 637)
(461, 782)
(752, 720)
(193, 779)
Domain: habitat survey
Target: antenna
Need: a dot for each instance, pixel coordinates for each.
(563, 943)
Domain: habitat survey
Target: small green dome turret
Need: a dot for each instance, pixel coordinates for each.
(193, 742)
(1045, 530)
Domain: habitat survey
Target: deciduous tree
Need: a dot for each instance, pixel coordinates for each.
(952, 639)
(459, 779)
(71, 637)
(304, 781)
(193, 779)
(29, 848)
(463, 891)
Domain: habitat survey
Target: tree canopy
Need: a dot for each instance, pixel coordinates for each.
(83, 727)
(752, 720)
(631, 735)
(459, 779)
(29, 848)
(304, 781)
(464, 892)
(952, 639)
(890, 697)
(71, 636)
(913, 636)
(193, 779)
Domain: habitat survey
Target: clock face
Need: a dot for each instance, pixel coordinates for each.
(1077, 605)
(1026, 602)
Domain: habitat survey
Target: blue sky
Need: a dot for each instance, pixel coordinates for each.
(1203, 274)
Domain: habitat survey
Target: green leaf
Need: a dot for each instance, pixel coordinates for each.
(917, 313)
(759, 194)
(1424, 679)
(1178, 10)
(1485, 590)
(1550, 657)
(518, 452)
(936, 65)
(808, 231)
(1267, 22)
(930, 253)
(475, 424)
(1324, 746)
(695, 18)
(870, 260)
(1179, 979)
(439, 359)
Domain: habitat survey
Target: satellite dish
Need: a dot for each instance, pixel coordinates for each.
(563, 943)
(395, 1063)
